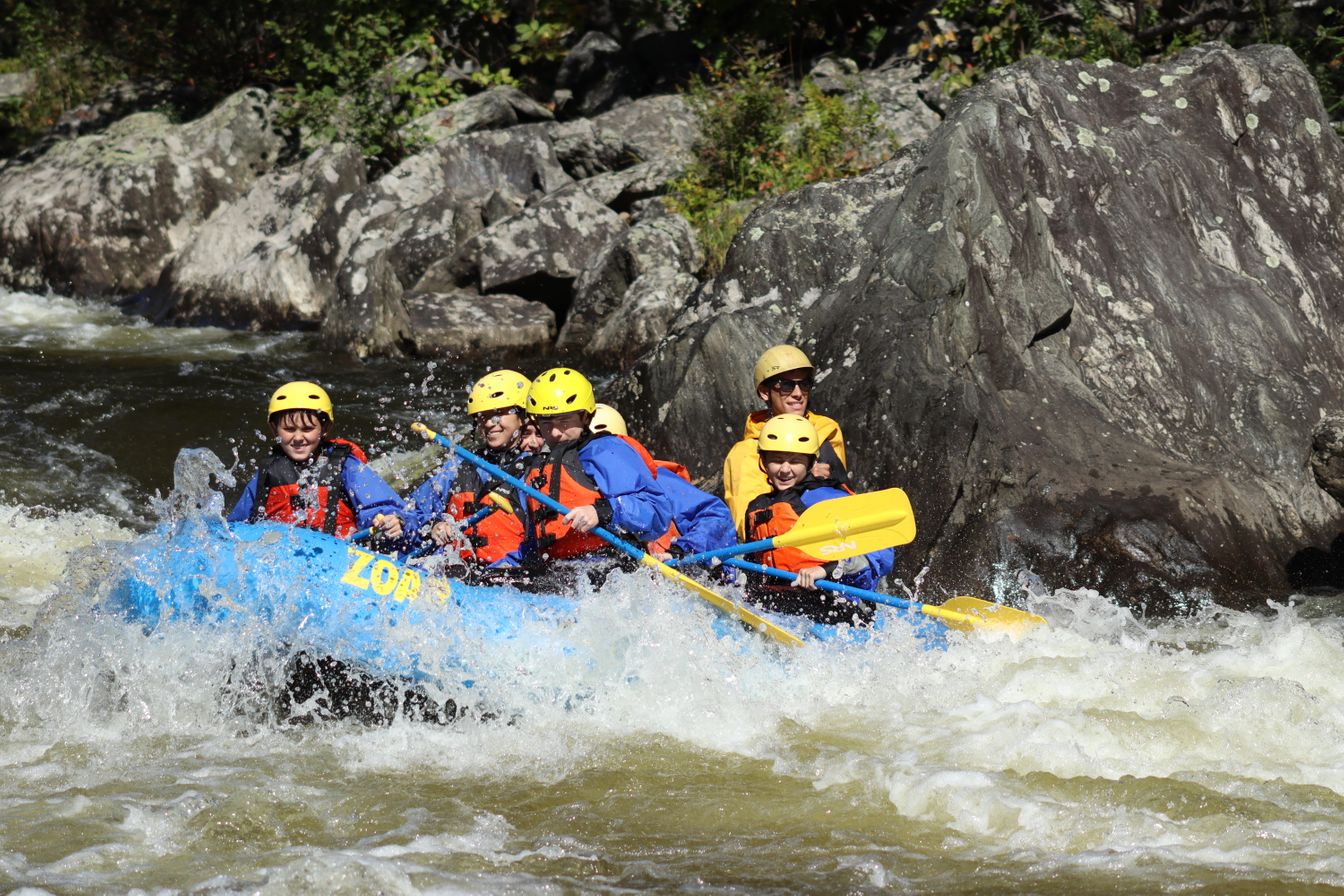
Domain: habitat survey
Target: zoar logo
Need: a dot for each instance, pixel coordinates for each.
(839, 547)
(370, 572)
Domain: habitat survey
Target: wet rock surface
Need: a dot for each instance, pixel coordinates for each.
(1088, 325)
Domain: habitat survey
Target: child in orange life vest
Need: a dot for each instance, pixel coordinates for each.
(700, 521)
(784, 381)
(787, 456)
(601, 479)
(312, 480)
(458, 490)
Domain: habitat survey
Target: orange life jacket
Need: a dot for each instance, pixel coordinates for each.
(561, 476)
(774, 514)
(488, 540)
(318, 502)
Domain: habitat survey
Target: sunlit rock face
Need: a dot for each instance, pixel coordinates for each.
(1089, 324)
(104, 213)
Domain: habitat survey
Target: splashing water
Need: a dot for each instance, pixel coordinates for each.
(634, 744)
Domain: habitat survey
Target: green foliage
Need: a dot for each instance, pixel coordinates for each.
(757, 140)
(65, 74)
(539, 42)
(1324, 54)
(359, 78)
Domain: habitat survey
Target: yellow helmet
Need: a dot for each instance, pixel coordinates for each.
(607, 419)
(498, 391)
(780, 359)
(301, 396)
(559, 391)
(788, 432)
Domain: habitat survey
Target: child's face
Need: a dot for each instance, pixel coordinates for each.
(785, 469)
(563, 427)
(532, 439)
(498, 428)
(299, 433)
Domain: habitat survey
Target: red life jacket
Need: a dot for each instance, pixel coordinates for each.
(320, 501)
(488, 540)
(561, 476)
(774, 514)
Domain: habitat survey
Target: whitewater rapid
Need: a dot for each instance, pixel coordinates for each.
(1104, 752)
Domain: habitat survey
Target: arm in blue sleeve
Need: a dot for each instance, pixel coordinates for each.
(242, 510)
(427, 503)
(702, 519)
(369, 494)
(639, 505)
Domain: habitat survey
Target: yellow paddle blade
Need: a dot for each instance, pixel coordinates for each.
(967, 614)
(499, 501)
(781, 635)
(853, 525)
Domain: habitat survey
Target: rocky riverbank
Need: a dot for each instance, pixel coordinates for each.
(1088, 320)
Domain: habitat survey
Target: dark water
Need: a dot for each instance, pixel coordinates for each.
(1104, 754)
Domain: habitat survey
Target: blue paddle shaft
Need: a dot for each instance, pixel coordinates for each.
(826, 584)
(609, 537)
(479, 515)
(731, 550)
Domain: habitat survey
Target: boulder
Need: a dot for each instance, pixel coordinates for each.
(421, 212)
(103, 214)
(654, 127)
(1086, 324)
(584, 149)
(540, 251)
(621, 190)
(268, 259)
(625, 299)
(492, 109)
(1327, 456)
(466, 326)
(902, 115)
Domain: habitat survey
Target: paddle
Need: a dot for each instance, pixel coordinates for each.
(836, 529)
(963, 613)
(429, 544)
(763, 625)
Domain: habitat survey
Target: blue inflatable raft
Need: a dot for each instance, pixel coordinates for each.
(326, 597)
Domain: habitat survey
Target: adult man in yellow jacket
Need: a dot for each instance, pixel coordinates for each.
(784, 382)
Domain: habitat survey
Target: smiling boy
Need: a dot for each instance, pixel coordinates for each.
(784, 383)
(787, 456)
(603, 481)
(314, 481)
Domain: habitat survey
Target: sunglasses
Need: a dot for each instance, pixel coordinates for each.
(786, 387)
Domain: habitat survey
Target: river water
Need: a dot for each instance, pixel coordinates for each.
(1103, 754)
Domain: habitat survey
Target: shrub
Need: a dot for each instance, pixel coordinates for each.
(759, 140)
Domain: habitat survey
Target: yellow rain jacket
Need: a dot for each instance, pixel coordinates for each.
(743, 478)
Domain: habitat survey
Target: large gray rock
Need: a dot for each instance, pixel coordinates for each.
(103, 214)
(1088, 325)
(423, 211)
(268, 259)
(1327, 456)
(902, 116)
(540, 251)
(492, 109)
(463, 325)
(625, 299)
(654, 127)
